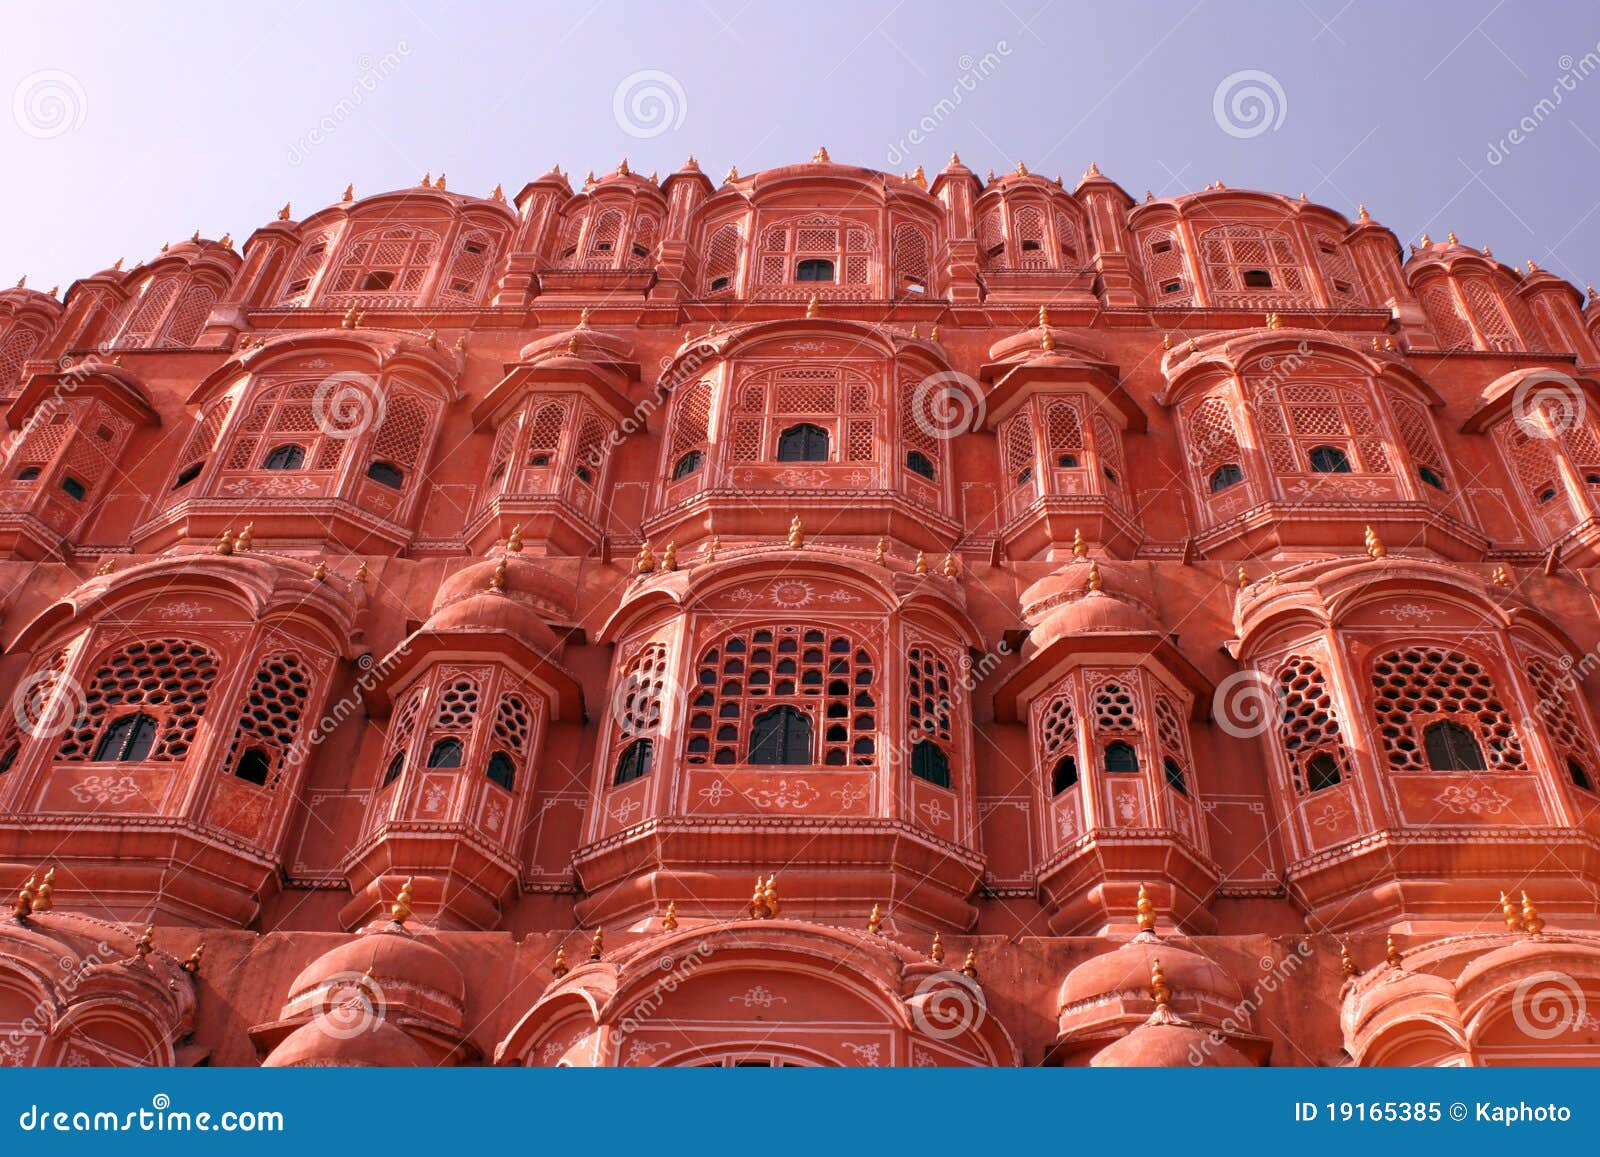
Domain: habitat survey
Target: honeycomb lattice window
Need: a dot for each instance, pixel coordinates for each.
(1057, 741)
(401, 730)
(1301, 417)
(823, 674)
(1211, 438)
(386, 259)
(1116, 708)
(400, 434)
(836, 400)
(915, 434)
(691, 418)
(1419, 686)
(514, 722)
(167, 679)
(458, 705)
(1064, 429)
(1494, 323)
(1339, 273)
(785, 246)
(722, 260)
(637, 696)
(1416, 432)
(1173, 733)
(1016, 451)
(1166, 273)
(16, 348)
(270, 718)
(188, 317)
(148, 310)
(1308, 730)
(1558, 709)
(910, 259)
(284, 414)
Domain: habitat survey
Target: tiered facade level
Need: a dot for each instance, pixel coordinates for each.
(1103, 632)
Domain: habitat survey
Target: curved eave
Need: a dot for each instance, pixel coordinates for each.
(389, 351)
(1027, 680)
(558, 685)
(1501, 394)
(594, 382)
(112, 384)
(1013, 383)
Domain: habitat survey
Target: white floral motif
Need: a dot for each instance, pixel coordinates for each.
(640, 1052)
(493, 817)
(716, 793)
(799, 794)
(758, 996)
(433, 798)
(13, 1054)
(934, 811)
(868, 1054)
(849, 795)
(1127, 805)
(792, 593)
(624, 810)
(105, 789)
(1410, 613)
(1329, 817)
(1483, 799)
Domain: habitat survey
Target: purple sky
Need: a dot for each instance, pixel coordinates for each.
(131, 126)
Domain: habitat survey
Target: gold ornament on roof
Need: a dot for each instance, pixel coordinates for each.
(349, 193)
(246, 538)
(875, 920)
(1347, 966)
(922, 564)
(1022, 168)
(969, 966)
(1487, 252)
(1166, 341)
(497, 580)
(1079, 548)
(1502, 577)
(1145, 910)
(820, 157)
(224, 543)
(646, 562)
(42, 901)
(497, 193)
(1361, 212)
(813, 307)
(362, 573)
(1375, 547)
(880, 555)
(936, 953)
(1391, 953)
(1532, 268)
(597, 943)
(283, 213)
(1093, 170)
(933, 334)
(559, 968)
(712, 547)
(669, 557)
(24, 902)
(622, 168)
(514, 539)
(764, 901)
(950, 568)
(426, 182)
(1452, 236)
(669, 922)
(1242, 578)
(400, 910)
(146, 943)
(1512, 914)
(797, 533)
(1095, 582)
(1160, 990)
(320, 571)
(192, 965)
(106, 567)
(1532, 923)
(1426, 241)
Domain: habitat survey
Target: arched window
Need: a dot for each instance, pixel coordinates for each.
(814, 269)
(502, 771)
(127, 740)
(1307, 729)
(253, 766)
(688, 464)
(1451, 747)
(377, 281)
(1579, 774)
(1121, 757)
(73, 488)
(1257, 279)
(635, 761)
(287, 457)
(396, 766)
(1322, 770)
(917, 462)
(1431, 477)
(1065, 774)
(166, 680)
(803, 443)
(1226, 475)
(386, 474)
(781, 736)
(1329, 460)
(1174, 775)
(28, 474)
(445, 753)
(9, 756)
(929, 763)
(187, 475)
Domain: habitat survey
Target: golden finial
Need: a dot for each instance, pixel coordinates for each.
(583, 318)
(426, 182)
(922, 563)
(820, 157)
(1391, 953)
(969, 966)
(669, 557)
(106, 567)
(597, 944)
(559, 968)
(42, 901)
(1194, 346)
(514, 539)
(881, 555)
(1160, 990)
(1513, 917)
(937, 951)
(1532, 923)
(283, 213)
(933, 334)
(588, 178)
(691, 165)
(914, 335)
(497, 193)
(1501, 578)
(1452, 236)
(1022, 168)
(226, 242)
(646, 562)
(349, 319)
(572, 344)
(497, 580)
(875, 920)
(247, 537)
(192, 965)
(764, 901)
(1375, 547)
(733, 173)
(1242, 578)
(1079, 548)
(349, 193)
(1347, 966)
(712, 547)
(1361, 212)
(1532, 268)
(797, 533)
(954, 159)
(920, 177)
(362, 574)
(1388, 345)
(813, 307)
(950, 568)
(116, 266)
(1047, 341)
(1166, 341)
(1145, 910)
(320, 571)
(1376, 344)
(622, 168)
(195, 238)
(1044, 317)
(24, 904)
(146, 943)
(1093, 170)
(770, 895)
(224, 543)
(1593, 296)
(1426, 241)
(1487, 252)
(669, 922)
(400, 910)
(1094, 575)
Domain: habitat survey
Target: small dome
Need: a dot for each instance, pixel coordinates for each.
(396, 958)
(1168, 1046)
(313, 1046)
(1127, 969)
(1094, 613)
(526, 583)
(495, 611)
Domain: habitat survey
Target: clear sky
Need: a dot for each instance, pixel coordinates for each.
(134, 124)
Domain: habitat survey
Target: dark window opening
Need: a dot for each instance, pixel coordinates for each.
(814, 269)
(1592, 479)
(538, 460)
(1174, 775)
(27, 474)
(1451, 747)
(803, 443)
(127, 740)
(1579, 774)
(930, 763)
(1341, 287)
(1111, 475)
(781, 736)
(73, 488)
(501, 770)
(914, 286)
(288, 457)
(1329, 460)
(386, 474)
(1547, 494)
(1161, 247)
(584, 474)
(917, 462)
(1322, 771)
(9, 757)
(603, 246)
(1025, 477)
(473, 247)
(377, 281)
(253, 767)
(1065, 774)
(298, 287)
(396, 766)
(688, 464)
(635, 761)
(1226, 475)
(1121, 757)
(102, 433)
(1257, 279)
(445, 753)
(188, 474)
(1067, 461)
(1030, 246)
(1171, 286)
(996, 250)
(1431, 476)
(460, 287)
(719, 283)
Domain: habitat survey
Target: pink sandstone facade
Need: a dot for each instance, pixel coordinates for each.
(1097, 631)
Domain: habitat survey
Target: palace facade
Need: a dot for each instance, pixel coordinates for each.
(820, 617)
